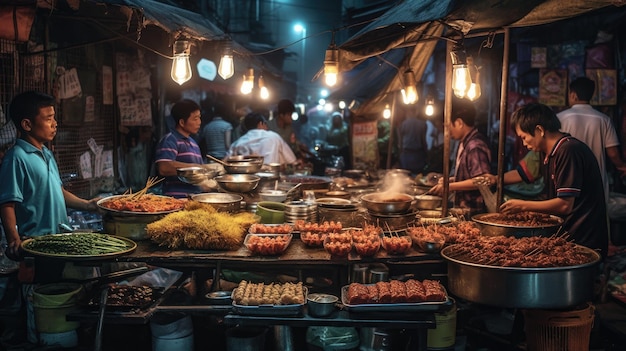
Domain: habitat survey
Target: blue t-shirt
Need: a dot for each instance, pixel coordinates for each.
(30, 178)
(176, 147)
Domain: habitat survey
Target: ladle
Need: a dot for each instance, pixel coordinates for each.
(218, 160)
(294, 188)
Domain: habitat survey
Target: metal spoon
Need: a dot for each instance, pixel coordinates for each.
(218, 160)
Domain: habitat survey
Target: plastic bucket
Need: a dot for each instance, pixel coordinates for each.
(245, 339)
(555, 330)
(443, 336)
(65, 339)
(52, 303)
(172, 331)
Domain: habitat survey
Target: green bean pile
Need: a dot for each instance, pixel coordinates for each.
(83, 244)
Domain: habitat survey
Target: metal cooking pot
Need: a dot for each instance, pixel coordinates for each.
(427, 202)
(220, 201)
(516, 287)
(387, 202)
(495, 229)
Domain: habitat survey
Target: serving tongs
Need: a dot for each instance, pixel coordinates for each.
(489, 197)
(112, 277)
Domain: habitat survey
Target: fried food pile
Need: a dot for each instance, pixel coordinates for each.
(200, 226)
(251, 294)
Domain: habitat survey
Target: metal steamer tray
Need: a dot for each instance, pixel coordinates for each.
(392, 307)
(518, 287)
(293, 310)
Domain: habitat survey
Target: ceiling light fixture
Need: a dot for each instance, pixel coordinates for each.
(226, 68)
(409, 93)
(429, 109)
(461, 78)
(181, 68)
(331, 63)
(387, 112)
(263, 92)
(248, 82)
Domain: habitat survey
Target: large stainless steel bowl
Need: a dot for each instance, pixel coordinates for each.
(242, 167)
(238, 183)
(387, 202)
(220, 201)
(246, 158)
(194, 175)
(490, 228)
(516, 287)
(427, 202)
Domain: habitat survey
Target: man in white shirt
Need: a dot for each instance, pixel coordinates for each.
(258, 140)
(592, 127)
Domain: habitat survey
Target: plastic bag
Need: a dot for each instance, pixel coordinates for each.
(329, 338)
(617, 206)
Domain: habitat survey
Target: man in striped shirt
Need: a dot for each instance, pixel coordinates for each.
(178, 149)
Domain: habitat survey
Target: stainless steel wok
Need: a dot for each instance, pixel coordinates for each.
(516, 287)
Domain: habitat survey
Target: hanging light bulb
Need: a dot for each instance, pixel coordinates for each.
(263, 93)
(474, 90)
(429, 109)
(461, 78)
(226, 68)
(181, 68)
(331, 65)
(387, 112)
(409, 93)
(248, 82)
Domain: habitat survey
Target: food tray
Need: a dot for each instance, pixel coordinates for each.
(130, 247)
(127, 297)
(252, 230)
(272, 250)
(392, 307)
(115, 212)
(270, 310)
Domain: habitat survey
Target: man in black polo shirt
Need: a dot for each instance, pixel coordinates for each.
(574, 185)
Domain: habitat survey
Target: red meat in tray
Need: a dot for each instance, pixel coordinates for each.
(384, 292)
(398, 291)
(415, 291)
(434, 291)
(357, 293)
(372, 292)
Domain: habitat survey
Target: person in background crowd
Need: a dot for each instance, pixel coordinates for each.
(384, 134)
(473, 157)
(259, 140)
(282, 124)
(215, 138)
(178, 149)
(574, 191)
(33, 201)
(412, 146)
(338, 136)
(592, 127)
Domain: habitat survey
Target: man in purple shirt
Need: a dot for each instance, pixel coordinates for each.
(178, 149)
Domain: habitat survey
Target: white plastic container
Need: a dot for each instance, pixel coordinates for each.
(65, 339)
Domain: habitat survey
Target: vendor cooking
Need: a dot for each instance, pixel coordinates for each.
(574, 186)
(259, 140)
(473, 157)
(178, 149)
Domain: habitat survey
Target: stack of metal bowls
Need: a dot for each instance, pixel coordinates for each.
(300, 210)
(339, 210)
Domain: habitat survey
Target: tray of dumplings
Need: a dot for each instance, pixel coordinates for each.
(274, 299)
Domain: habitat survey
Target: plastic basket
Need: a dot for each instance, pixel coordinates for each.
(549, 330)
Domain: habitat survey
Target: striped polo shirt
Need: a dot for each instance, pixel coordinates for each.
(176, 147)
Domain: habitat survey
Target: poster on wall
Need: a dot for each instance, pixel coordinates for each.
(365, 145)
(606, 86)
(553, 87)
(538, 57)
(107, 85)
